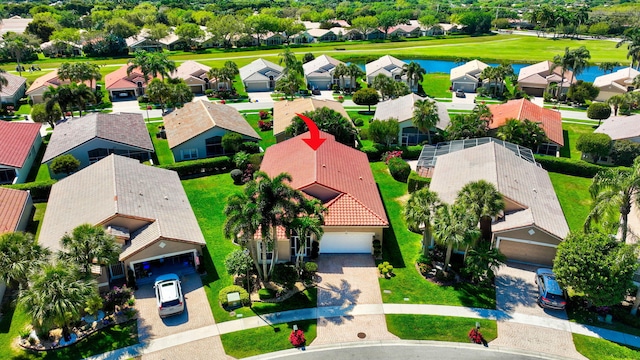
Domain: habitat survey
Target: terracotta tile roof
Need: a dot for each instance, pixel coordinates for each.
(120, 80)
(199, 116)
(549, 120)
(124, 128)
(337, 169)
(16, 139)
(285, 111)
(190, 69)
(51, 79)
(12, 204)
(14, 83)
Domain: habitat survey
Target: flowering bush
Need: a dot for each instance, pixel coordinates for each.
(265, 125)
(390, 155)
(117, 297)
(475, 336)
(340, 98)
(247, 175)
(297, 338)
(263, 114)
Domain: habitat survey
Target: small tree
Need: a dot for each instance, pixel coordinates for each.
(366, 96)
(623, 152)
(595, 145)
(597, 266)
(65, 164)
(238, 262)
(231, 142)
(308, 57)
(599, 111)
(384, 131)
(582, 91)
(40, 114)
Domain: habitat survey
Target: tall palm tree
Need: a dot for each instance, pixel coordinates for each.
(340, 72)
(632, 39)
(89, 245)
(61, 96)
(3, 80)
(230, 71)
(617, 101)
(491, 74)
(242, 223)
(614, 190)
(159, 64)
(82, 95)
(425, 116)
(290, 62)
(140, 61)
(20, 255)
(384, 85)
(214, 73)
(57, 297)
(414, 73)
(564, 62)
(483, 200)
(454, 226)
(308, 224)
(18, 45)
(580, 60)
(289, 83)
(420, 211)
(354, 72)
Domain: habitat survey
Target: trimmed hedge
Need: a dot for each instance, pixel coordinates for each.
(569, 166)
(217, 165)
(416, 182)
(399, 169)
(266, 294)
(411, 152)
(244, 295)
(40, 190)
(373, 152)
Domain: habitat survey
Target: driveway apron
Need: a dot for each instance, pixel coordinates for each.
(347, 280)
(197, 314)
(516, 292)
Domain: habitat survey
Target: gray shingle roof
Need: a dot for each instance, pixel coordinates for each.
(14, 83)
(402, 109)
(620, 127)
(260, 66)
(516, 179)
(122, 187)
(123, 128)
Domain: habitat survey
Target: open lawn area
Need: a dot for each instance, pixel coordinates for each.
(163, 154)
(267, 136)
(574, 197)
(571, 134)
(265, 339)
(600, 349)
(438, 328)
(436, 85)
(402, 247)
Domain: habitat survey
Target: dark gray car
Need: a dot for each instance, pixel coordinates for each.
(549, 293)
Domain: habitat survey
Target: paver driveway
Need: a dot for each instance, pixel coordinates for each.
(516, 292)
(347, 280)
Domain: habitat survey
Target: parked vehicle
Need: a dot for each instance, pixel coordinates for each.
(460, 93)
(169, 295)
(549, 293)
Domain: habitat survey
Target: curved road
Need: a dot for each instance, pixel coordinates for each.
(408, 350)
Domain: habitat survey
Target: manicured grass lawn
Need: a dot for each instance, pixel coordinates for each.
(365, 115)
(436, 85)
(163, 153)
(36, 219)
(574, 197)
(571, 134)
(600, 349)
(265, 339)
(267, 136)
(306, 299)
(402, 247)
(439, 328)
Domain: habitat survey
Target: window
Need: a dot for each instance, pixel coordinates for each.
(295, 246)
(189, 154)
(214, 146)
(7, 176)
(101, 153)
(269, 251)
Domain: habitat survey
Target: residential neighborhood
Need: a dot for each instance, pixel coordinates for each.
(251, 179)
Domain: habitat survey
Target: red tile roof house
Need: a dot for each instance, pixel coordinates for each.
(19, 145)
(42, 84)
(125, 86)
(15, 212)
(549, 120)
(95, 136)
(341, 178)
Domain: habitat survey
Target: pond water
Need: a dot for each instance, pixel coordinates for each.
(444, 66)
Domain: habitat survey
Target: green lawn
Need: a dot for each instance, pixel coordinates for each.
(365, 115)
(402, 247)
(574, 197)
(265, 339)
(438, 328)
(267, 136)
(600, 349)
(571, 134)
(163, 154)
(36, 219)
(436, 85)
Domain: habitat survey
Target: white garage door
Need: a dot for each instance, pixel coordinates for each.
(346, 243)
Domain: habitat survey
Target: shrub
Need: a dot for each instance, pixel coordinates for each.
(265, 294)
(250, 147)
(39, 189)
(416, 182)
(399, 169)
(341, 99)
(364, 134)
(594, 144)
(390, 155)
(385, 268)
(65, 164)
(599, 111)
(623, 152)
(241, 159)
(285, 275)
(231, 142)
(568, 166)
(217, 165)
(244, 295)
(411, 152)
(263, 114)
(311, 267)
(358, 122)
(208, 92)
(255, 160)
(265, 125)
(373, 152)
(236, 175)
(117, 297)
(377, 248)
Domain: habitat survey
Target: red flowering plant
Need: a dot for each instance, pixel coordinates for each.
(475, 336)
(390, 155)
(297, 338)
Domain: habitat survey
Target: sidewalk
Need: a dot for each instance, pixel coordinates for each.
(356, 310)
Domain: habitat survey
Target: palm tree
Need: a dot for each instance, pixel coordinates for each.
(214, 73)
(80, 71)
(420, 211)
(20, 255)
(425, 116)
(57, 297)
(580, 60)
(354, 72)
(289, 60)
(82, 95)
(289, 83)
(614, 189)
(3, 80)
(414, 73)
(89, 245)
(454, 226)
(159, 64)
(241, 224)
(308, 225)
(632, 39)
(140, 61)
(18, 45)
(340, 71)
(61, 96)
(636, 82)
(384, 85)
(230, 70)
(564, 62)
(483, 200)
(617, 101)
(490, 73)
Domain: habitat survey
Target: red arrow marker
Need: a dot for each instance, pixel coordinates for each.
(315, 141)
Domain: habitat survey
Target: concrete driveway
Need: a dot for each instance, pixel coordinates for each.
(347, 280)
(516, 293)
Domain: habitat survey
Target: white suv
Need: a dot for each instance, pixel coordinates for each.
(169, 295)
